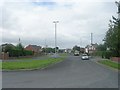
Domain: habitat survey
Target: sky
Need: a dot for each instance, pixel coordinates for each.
(32, 21)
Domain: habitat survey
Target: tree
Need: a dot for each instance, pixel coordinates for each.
(19, 46)
(21, 49)
(76, 48)
(112, 38)
(101, 47)
(8, 48)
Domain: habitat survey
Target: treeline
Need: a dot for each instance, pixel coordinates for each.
(111, 46)
(16, 51)
(52, 50)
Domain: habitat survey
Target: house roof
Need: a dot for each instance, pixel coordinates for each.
(35, 46)
(4, 45)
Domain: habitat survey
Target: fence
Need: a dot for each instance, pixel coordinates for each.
(4, 56)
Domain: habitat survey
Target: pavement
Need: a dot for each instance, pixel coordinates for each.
(71, 73)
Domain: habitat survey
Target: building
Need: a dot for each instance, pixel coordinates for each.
(91, 48)
(36, 49)
(68, 50)
(82, 50)
(4, 50)
(4, 46)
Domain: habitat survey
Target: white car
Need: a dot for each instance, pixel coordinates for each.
(85, 57)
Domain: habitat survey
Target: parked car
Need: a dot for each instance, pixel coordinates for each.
(85, 57)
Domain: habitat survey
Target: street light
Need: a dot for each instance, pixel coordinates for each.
(55, 22)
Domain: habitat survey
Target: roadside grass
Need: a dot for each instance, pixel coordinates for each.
(0, 65)
(110, 63)
(34, 64)
(63, 54)
(30, 58)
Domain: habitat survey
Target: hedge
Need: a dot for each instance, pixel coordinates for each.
(17, 53)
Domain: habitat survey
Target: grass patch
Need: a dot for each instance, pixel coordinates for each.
(30, 65)
(0, 65)
(110, 63)
(63, 54)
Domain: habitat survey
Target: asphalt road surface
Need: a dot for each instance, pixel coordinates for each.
(71, 73)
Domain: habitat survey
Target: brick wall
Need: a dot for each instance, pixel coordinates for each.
(4, 56)
(116, 59)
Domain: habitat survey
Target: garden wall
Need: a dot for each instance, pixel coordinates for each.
(116, 59)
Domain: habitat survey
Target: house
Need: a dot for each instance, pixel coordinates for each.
(4, 46)
(68, 50)
(91, 48)
(36, 49)
(82, 50)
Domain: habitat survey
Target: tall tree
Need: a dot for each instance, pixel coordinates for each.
(19, 46)
(112, 38)
(76, 48)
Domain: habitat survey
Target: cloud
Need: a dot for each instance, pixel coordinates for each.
(33, 22)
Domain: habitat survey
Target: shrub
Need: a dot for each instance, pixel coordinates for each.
(26, 52)
(17, 53)
(107, 54)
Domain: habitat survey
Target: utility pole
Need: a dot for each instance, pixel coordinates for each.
(45, 48)
(118, 5)
(91, 38)
(55, 22)
(19, 41)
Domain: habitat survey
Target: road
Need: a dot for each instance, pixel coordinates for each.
(71, 73)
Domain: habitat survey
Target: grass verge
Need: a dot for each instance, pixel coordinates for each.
(34, 64)
(110, 63)
(63, 54)
(0, 65)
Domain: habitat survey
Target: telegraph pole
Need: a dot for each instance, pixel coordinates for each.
(91, 38)
(55, 22)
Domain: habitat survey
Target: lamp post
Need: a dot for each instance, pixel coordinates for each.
(55, 22)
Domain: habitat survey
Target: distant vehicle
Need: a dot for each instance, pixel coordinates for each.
(85, 57)
(76, 53)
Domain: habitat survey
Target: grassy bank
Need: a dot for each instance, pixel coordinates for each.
(0, 65)
(34, 64)
(110, 63)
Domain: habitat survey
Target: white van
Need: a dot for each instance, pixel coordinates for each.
(76, 53)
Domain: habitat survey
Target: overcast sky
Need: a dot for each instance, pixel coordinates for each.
(32, 21)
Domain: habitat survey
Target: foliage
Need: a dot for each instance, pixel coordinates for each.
(112, 38)
(76, 48)
(107, 54)
(19, 47)
(16, 51)
(8, 48)
(101, 47)
(48, 50)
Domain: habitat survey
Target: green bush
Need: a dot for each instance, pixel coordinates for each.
(106, 54)
(14, 53)
(98, 53)
(26, 52)
(17, 53)
(103, 54)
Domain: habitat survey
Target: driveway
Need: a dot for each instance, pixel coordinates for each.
(71, 73)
